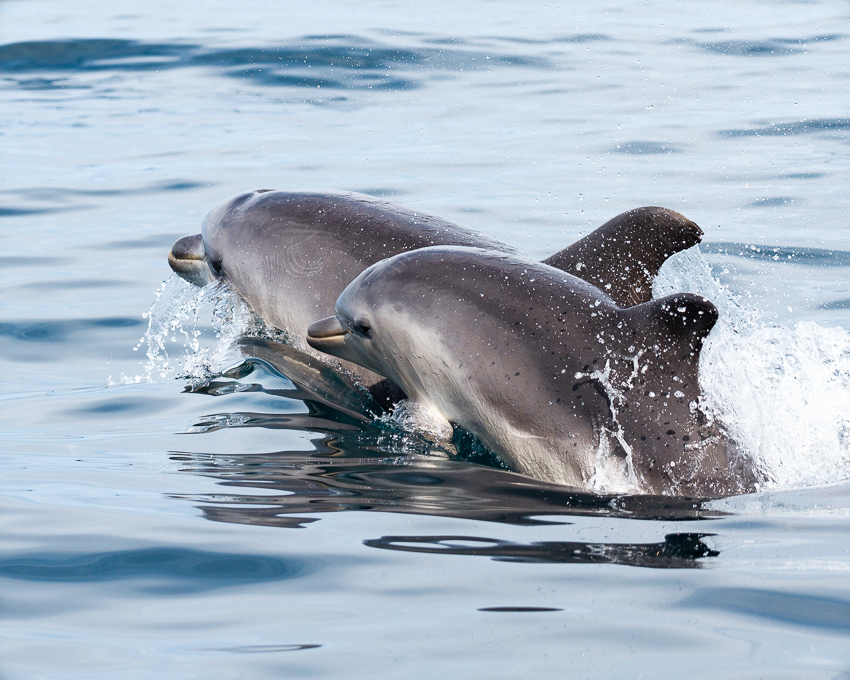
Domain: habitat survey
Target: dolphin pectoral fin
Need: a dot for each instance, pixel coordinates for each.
(623, 256)
(319, 381)
(188, 260)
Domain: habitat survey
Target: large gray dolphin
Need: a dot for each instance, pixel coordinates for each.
(546, 369)
(290, 255)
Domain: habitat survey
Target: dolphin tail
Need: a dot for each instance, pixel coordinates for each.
(623, 256)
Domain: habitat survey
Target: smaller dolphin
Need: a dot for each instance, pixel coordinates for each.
(290, 255)
(547, 370)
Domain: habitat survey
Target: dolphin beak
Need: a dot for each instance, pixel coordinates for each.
(188, 260)
(327, 335)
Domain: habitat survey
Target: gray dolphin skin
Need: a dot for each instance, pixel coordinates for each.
(290, 255)
(547, 370)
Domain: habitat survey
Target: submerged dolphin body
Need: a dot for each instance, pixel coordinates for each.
(290, 255)
(547, 370)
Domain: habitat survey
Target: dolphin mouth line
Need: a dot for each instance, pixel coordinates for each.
(326, 334)
(184, 257)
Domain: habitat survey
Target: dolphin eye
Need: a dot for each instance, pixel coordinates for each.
(363, 327)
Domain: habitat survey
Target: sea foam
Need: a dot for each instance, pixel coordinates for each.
(782, 393)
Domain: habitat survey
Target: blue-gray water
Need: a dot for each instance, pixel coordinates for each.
(225, 529)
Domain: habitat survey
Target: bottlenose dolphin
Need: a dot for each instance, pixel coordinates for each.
(289, 255)
(547, 370)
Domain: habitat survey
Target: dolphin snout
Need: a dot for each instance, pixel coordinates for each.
(188, 260)
(326, 335)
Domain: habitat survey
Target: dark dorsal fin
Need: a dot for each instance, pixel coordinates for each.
(674, 447)
(673, 330)
(685, 315)
(624, 255)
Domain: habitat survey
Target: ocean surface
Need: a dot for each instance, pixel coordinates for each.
(170, 507)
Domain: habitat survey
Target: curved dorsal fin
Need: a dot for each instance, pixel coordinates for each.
(623, 256)
(685, 315)
(674, 446)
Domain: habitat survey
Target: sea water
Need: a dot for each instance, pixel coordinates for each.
(171, 508)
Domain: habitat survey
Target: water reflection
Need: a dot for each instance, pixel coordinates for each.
(296, 487)
(363, 470)
(371, 464)
(676, 551)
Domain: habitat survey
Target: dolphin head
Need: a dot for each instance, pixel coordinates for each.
(226, 229)
(368, 312)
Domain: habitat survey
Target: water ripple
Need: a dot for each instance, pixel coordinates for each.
(771, 47)
(173, 569)
(797, 609)
(59, 330)
(819, 257)
(328, 62)
(641, 148)
(798, 127)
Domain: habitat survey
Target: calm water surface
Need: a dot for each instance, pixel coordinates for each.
(193, 516)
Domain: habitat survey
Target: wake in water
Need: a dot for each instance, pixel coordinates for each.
(783, 394)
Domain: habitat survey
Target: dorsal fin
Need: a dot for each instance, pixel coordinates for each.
(624, 255)
(685, 315)
(672, 444)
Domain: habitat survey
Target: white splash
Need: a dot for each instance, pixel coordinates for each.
(192, 332)
(783, 394)
(414, 418)
(613, 473)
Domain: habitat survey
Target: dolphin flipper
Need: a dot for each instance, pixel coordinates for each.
(319, 380)
(623, 256)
